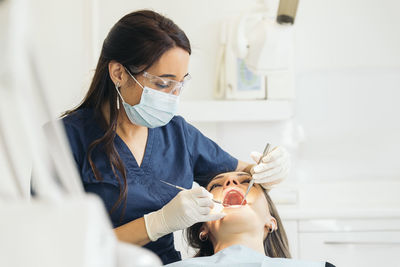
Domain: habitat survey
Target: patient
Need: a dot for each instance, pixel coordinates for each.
(249, 235)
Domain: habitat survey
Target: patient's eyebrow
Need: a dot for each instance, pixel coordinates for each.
(223, 175)
(218, 177)
(243, 174)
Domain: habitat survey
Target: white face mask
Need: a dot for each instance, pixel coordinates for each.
(155, 108)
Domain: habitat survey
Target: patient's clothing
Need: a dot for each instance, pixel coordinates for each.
(238, 255)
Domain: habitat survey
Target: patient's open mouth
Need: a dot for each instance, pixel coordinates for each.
(233, 197)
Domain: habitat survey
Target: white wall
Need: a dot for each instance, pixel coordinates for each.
(352, 34)
(348, 81)
(351, 122)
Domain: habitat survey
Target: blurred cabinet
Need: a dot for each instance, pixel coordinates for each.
(352, 249)
(346, 242)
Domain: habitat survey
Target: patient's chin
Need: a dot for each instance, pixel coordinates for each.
(238, 218)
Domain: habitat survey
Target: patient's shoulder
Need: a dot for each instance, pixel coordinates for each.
(239, 255)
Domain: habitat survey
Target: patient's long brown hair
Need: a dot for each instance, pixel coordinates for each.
(275, 244)
(136, 41)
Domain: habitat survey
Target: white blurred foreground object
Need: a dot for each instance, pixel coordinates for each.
(73, 232)
(61, 225)
(135, 256)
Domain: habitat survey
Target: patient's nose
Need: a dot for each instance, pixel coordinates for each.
(231, 181)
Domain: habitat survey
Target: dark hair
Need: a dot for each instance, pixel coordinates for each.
(275, 244)
(136, 41)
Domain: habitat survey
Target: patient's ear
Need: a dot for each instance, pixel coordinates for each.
(271, 223)
(204, 228)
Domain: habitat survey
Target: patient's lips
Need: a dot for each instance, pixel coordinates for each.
(233, 197)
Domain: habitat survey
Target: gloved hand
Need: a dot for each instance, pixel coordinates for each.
(185, 209)
(273, 168)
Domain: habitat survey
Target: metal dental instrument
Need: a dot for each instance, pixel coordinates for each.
(266, 150)
(181, 188)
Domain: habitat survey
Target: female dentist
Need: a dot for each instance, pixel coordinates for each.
(125, 138)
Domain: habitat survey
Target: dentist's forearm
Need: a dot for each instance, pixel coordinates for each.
(133, 232)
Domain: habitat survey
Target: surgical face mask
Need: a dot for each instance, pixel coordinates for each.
(155, 108)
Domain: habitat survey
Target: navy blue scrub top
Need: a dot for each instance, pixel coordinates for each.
(177, 153)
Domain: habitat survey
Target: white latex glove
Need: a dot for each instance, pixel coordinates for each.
(185, 209)
(273, 168)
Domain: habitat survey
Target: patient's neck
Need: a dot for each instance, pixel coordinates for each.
(252, 240)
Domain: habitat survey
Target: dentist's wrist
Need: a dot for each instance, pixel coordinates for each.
(155, 225)
(245, 167)
(250, 168)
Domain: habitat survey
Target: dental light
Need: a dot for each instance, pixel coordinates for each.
(255, 56)
(265, 39)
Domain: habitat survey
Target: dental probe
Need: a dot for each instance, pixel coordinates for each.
(266, 150)
(181, 188)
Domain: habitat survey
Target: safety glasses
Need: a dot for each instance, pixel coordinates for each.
(163, 84)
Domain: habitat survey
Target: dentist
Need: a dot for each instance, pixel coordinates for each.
(125, 137)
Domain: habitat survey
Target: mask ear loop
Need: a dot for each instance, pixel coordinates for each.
(133, 77)
(117, 86)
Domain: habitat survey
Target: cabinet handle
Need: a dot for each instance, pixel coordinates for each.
(396, 243)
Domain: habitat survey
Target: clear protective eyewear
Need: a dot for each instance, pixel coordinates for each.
(163, 84)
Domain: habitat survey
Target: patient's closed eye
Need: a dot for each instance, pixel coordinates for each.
(217, 184)
(214, 186)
